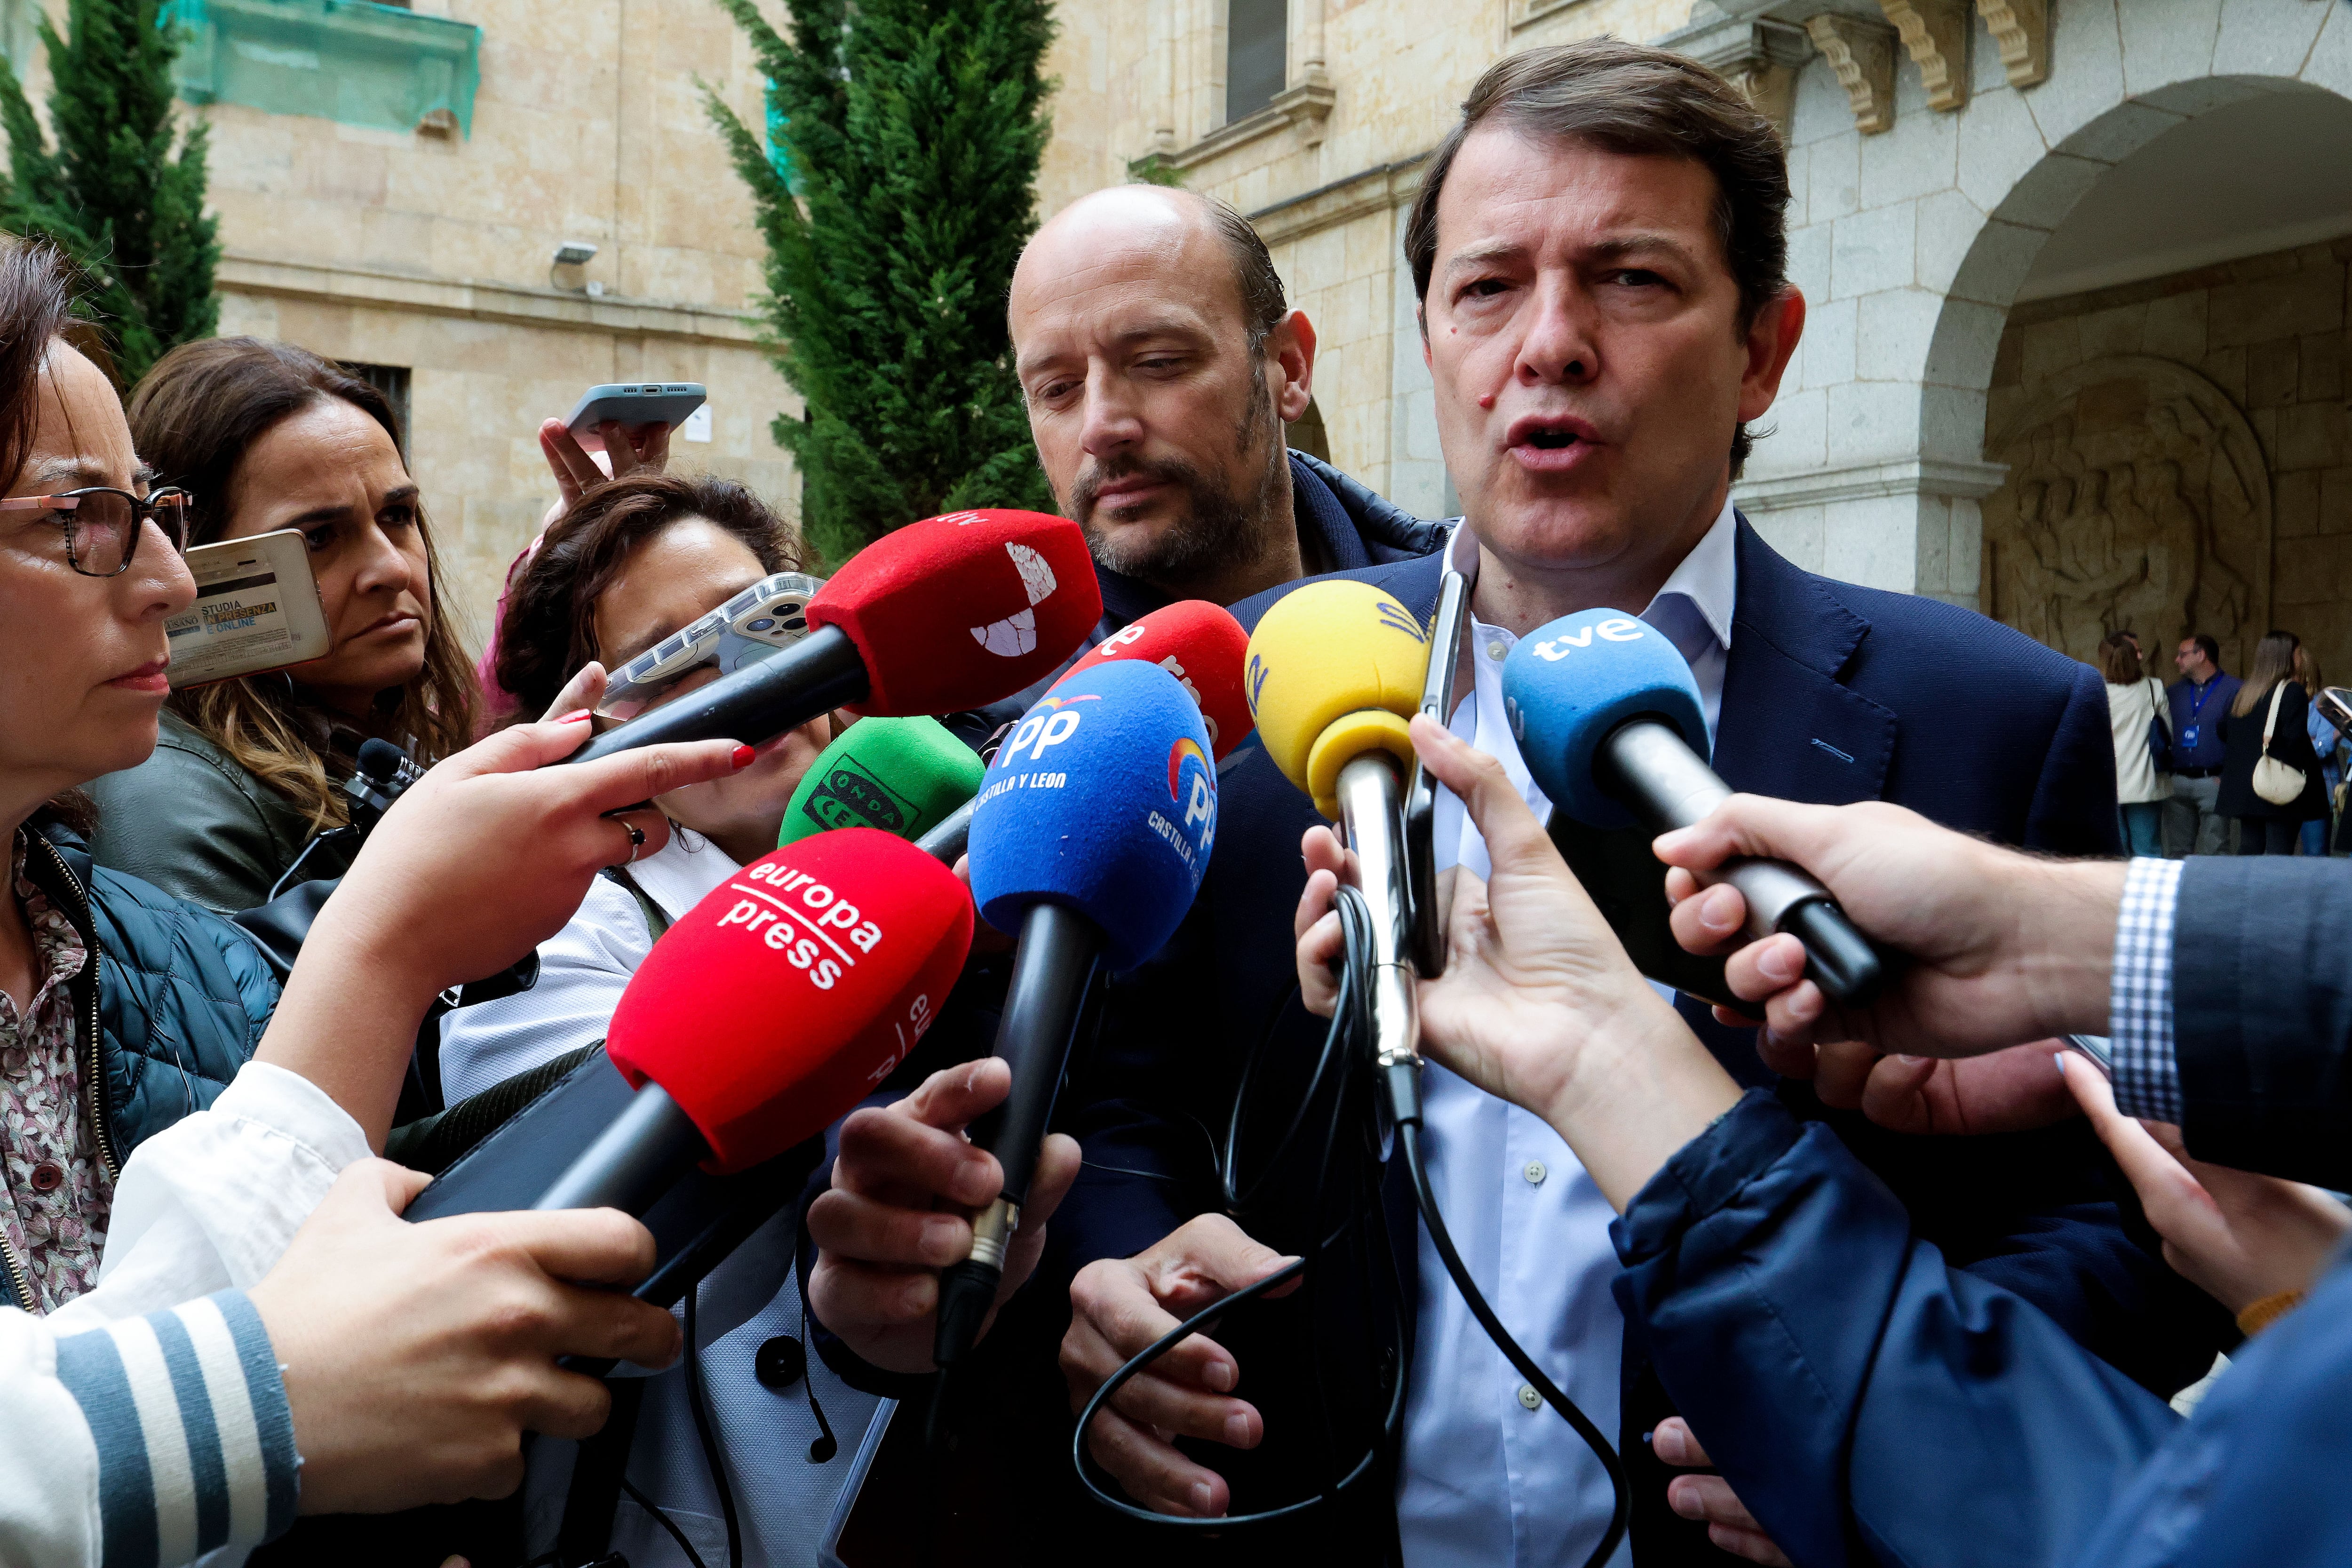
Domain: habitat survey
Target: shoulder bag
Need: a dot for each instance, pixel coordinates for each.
(2274, 780)
(2159, 732)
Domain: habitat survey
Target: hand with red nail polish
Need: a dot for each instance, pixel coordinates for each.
(904, 1190)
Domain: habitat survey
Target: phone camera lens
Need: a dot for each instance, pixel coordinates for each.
(764, 624)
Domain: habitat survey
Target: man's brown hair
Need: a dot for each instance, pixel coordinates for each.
(1636, 101)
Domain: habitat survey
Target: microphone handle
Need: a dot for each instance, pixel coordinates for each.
(1649, 765)
(1371, 821)
(949, 836)
(640, 1156)
(823, 671)
(1051, 970)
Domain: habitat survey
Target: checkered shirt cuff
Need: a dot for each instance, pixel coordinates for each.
(2139, 998)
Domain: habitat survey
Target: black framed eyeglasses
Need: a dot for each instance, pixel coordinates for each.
(102, 526)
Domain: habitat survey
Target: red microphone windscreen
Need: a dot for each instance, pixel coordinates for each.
(961, 611)
(790, 992)
(1203, 647)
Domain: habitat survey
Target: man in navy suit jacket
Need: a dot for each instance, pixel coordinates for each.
(1593, 335)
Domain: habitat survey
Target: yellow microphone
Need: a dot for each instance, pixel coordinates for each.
(1335, 671)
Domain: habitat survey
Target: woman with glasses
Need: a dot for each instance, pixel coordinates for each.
(261, 437)
(635, 561)
(167, 1109)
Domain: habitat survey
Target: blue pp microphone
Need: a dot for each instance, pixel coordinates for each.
(1608, 720)
(1089, 834)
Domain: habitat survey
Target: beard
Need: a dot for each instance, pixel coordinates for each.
(1218, 528)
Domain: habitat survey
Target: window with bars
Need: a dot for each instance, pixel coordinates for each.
(391, 380)
(1257, 38)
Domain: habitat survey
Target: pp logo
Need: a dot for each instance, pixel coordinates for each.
(1553, 650)
(1017, 632)
(1044, 728)
(1192, 784)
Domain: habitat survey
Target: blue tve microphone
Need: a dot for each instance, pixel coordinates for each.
(1088, 837)
(1608, 719)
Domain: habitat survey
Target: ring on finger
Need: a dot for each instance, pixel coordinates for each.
(636, 841)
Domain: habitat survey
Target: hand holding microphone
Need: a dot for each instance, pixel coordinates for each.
(2001, 947)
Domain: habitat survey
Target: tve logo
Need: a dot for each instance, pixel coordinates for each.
(1618, 629)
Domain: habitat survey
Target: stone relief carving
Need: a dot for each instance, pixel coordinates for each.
(2137, 497)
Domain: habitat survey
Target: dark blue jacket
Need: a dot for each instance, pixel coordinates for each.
(2205, 716)
(174, 1006)
(1832, 693)
(1870, 1403)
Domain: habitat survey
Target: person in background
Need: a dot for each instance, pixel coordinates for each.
(2194, 825)
(264, 436)
(2268, 719)
(2135, 700)
(2326, 742)
(632, 561)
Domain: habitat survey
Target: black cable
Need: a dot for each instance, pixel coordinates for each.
(335, 835)
(665, 1521)
(698, 1399)
(1409, 1140)
(823, 1447)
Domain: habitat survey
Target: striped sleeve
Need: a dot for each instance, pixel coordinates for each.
(195, 1443)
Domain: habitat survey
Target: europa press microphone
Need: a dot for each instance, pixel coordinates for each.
(1608, 720)
(1337, 669)
(951, 613)
(1088, 839)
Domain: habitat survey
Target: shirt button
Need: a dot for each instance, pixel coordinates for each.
(47, 1177)
(1535, 1173)
(779, 1362)
(1495, 650)
(1528, 1396)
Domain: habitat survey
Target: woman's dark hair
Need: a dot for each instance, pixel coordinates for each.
(36, 310)
(548, 629)
(1631, 99)
(192, 419)
(2120, 659)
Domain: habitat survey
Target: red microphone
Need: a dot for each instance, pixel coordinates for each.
(1203, 647)
(951, 613)
(770, 1009)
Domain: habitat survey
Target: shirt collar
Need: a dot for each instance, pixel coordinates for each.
(685, 868)
(1703, 586)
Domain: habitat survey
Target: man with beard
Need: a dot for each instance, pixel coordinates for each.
(1161, 364)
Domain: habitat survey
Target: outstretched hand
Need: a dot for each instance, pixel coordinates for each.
(1996, 947)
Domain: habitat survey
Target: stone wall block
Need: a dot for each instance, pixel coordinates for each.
(2002, 142)
(1964, 570)
(1833, 179)
(2309, 571)
(1964, 343)
(2087, 75)
(2051, 347)
(1895, 327)
(2255, 311)
(2120, 132)
(1829, 345)
(1951, 422)
(2176, 327)
(2227, 367)
(2118, 330)
(2295, 505)
(2048, 192)
(2272, 369)
(1918, 156)
(1875, 542)
(2311, 436)
(2334, 507)
(1792, 436)
(1866, 422)
(2322, 366)
(2330, 64)
(1808, 261)
(1874, 250)
(1796, 533)
(1996, 264)
(2165, 41)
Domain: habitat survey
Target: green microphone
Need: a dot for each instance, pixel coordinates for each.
(901, 775)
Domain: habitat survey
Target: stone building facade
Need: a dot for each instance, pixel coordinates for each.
(393, 186)
(2075, 268)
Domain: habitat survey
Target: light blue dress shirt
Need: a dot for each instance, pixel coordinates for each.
(1490, 1475)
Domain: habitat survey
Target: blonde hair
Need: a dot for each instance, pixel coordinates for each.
(2274, 662)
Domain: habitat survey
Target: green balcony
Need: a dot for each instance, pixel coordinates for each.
(347, 60)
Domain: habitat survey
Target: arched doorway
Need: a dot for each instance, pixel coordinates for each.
(2166, 389)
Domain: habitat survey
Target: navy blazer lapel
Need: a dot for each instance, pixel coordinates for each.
(1790, 727)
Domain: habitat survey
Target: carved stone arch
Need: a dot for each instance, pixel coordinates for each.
(2137, 498)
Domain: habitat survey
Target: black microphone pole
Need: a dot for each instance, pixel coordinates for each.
(792, 686)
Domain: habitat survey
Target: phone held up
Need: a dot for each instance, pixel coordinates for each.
(771, 614)
(256, 609)
(631, 405)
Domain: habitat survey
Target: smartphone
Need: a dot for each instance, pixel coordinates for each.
(2335, 705)
(633, 405)
(1421, 790)
(256, 609)
(771, 614)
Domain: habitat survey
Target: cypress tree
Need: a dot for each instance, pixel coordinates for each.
(128, 212)
(895, 188)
